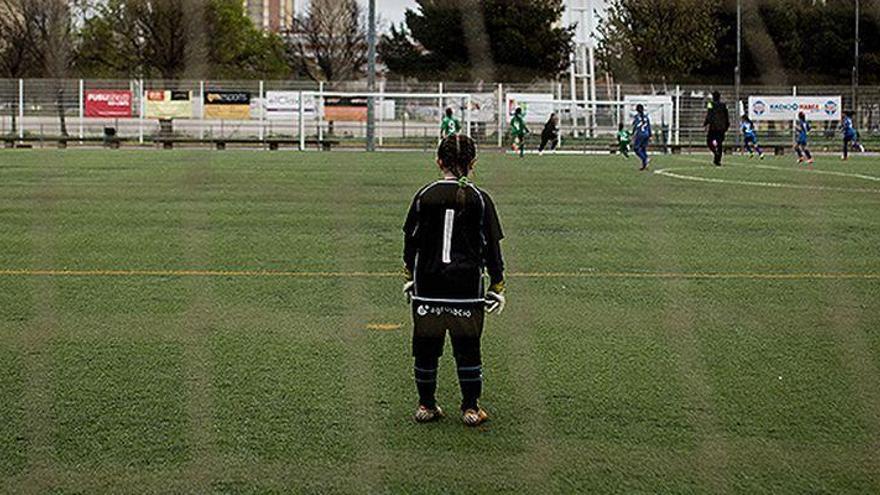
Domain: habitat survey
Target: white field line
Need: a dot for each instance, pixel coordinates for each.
(674, 173)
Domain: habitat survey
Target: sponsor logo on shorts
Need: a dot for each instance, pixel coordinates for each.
(424, 310)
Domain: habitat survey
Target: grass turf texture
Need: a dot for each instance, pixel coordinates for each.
(255, 384)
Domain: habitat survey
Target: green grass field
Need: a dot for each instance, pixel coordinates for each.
(663, 334)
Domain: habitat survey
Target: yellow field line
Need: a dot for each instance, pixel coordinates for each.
(327, 274)
(703, 275)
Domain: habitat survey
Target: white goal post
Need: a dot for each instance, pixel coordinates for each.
(396, 114)
(599, 118)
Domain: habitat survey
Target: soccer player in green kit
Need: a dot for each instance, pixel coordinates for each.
(519, 130)
(450, 126)
(623, 137)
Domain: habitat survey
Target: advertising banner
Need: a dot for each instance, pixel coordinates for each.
(284, 105)
(483, 107)
(536, 107)
(163, 104)
(345, 109)
(228, 105)
(788, 107)
(107, 103)
(658, 108)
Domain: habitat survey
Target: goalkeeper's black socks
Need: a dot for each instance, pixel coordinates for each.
(425, 371)
(470, 378)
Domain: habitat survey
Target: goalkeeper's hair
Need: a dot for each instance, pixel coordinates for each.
(457, 153)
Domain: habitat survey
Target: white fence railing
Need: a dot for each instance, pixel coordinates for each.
(406, 114)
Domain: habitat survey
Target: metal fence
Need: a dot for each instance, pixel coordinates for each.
(408, 114)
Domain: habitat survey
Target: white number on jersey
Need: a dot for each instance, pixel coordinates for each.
(447, 236)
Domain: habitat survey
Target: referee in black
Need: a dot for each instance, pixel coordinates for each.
(452, 238)
(717, 122)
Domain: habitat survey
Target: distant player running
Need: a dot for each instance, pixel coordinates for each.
(642, 135)
(750, 137)
(451, 237)
(623, 138)
(802, 130)
(550, 134)
(519, 131)
(449, 126)
(850, 135)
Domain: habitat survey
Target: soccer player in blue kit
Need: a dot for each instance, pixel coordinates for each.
(641, 135)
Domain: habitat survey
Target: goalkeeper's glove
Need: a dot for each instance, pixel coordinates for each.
(408, 286)
(495, 299)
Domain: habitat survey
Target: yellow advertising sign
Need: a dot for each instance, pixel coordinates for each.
(169, 105)
(228, 105)
(228, 112)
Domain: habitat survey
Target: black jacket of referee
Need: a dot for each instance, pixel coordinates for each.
(717, 123)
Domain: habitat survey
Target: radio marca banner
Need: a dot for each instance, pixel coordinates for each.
(228, 105)
(168, 104)
(787, 107)
(107, 103)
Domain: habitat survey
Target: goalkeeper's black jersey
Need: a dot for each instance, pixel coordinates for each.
(448, 243)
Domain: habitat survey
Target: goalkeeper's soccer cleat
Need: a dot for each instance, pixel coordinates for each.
(474, 417)
(425, 414)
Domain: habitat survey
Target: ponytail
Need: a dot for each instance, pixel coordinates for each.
(457, 154)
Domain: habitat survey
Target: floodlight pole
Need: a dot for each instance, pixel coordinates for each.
(371, 76)
(855, 69)
(738, 70)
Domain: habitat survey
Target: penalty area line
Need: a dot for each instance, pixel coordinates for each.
(355, 274)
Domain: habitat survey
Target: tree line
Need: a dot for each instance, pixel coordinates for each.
(174, 39)
(784, 41)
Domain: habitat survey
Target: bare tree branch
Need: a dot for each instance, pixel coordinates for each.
(328, 43)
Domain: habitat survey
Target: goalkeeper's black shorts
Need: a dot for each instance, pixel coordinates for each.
(432, 320)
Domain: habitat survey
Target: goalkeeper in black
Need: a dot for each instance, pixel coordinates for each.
(452, 244)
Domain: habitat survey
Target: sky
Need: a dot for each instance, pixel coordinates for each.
(392, 10)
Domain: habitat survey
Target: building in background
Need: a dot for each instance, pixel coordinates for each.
(270, 15)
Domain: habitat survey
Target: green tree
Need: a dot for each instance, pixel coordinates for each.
(814, 40)
(658, 39)
(236, 49)
(177, 38)
(511, 40)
